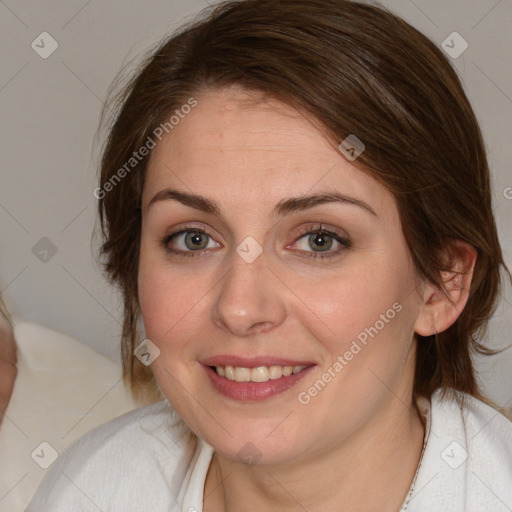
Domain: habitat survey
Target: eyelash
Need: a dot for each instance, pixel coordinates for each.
(343, 241)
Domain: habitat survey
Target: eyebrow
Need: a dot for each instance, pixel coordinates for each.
(282, 208)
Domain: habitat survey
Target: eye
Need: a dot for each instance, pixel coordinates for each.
(316, 242)
(320, 242)
(188, 241)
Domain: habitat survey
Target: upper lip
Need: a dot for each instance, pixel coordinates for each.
(252, 362)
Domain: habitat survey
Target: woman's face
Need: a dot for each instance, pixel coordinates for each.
(235, 273)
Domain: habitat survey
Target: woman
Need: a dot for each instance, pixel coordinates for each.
(295, 196)
(8, 359)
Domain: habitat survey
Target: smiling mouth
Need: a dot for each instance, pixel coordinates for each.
(258, 374)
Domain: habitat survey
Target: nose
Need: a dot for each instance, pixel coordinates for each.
(250, 299)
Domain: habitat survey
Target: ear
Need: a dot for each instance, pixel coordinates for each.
(439, 310)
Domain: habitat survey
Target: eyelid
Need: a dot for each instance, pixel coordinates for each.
(189, 227)
(341, 237)
(322, 228)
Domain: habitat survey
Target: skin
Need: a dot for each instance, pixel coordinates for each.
(7, 364)
(363, 426)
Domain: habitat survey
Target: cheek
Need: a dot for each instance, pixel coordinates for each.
(156, 287)
(161, 307)
(353, 299)
(171, 301)
(366, 314)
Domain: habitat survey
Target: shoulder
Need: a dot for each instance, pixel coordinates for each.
(136, 460)
(467, 464)
(484, 430)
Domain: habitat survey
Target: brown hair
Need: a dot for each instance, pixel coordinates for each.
(352, 68)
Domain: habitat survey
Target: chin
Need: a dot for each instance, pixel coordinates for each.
(259, 441)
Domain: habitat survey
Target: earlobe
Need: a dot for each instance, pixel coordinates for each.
(441, 308)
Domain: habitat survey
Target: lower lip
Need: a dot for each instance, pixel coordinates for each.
(254, 390)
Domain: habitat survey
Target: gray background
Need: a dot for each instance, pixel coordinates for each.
(49, 118)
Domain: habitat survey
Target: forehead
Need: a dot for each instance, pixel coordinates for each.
(235, 140)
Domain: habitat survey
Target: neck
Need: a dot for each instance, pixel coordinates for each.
(371, 471)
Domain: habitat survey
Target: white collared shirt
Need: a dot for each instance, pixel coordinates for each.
(141, 462)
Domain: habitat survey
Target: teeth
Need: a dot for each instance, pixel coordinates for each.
(242, 374)
(259, 374)
(276, 372)
(230, 372)
(287, 371)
